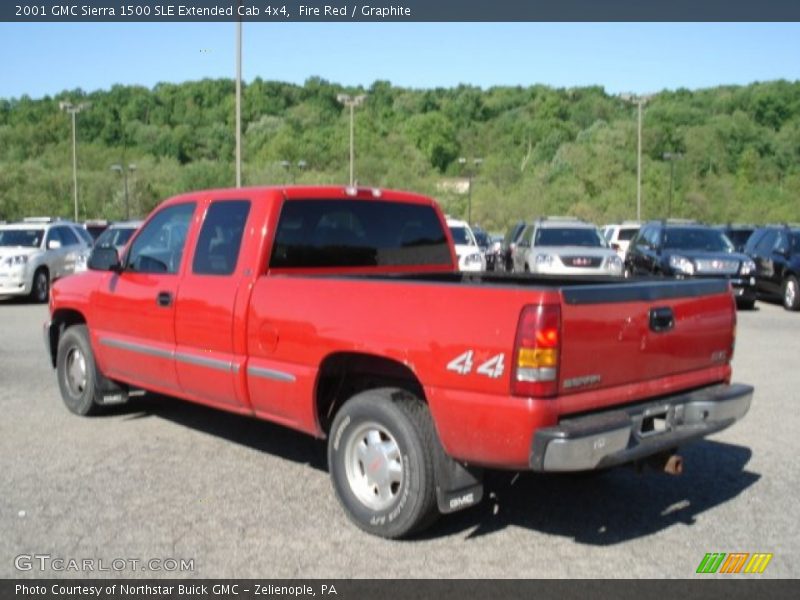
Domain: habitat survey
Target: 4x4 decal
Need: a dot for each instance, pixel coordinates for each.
(463, 363)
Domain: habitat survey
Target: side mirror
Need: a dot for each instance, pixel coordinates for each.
(53, 245)
(105, 258)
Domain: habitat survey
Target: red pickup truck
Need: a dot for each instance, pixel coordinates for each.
(340, 312)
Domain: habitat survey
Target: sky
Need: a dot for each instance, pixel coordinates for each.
(42, 59)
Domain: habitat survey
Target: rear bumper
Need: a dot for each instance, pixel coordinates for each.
(619, 436)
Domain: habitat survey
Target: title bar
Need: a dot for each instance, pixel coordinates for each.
(338, 11)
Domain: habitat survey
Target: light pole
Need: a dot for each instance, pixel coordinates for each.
(301, 164)
(74, 109)
(476, 163)
(122, 170)
(671, 157)
(639, 101)
(239, 103)
(351, 102)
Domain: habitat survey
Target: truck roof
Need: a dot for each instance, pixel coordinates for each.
(300, 192)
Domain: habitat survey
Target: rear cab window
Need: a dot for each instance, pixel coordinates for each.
(319, 233)
(217, 248)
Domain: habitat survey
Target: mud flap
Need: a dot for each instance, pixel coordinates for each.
(457, 486)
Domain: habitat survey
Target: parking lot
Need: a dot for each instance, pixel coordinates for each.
(162, 479)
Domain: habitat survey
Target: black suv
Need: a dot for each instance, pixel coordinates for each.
(776, 251)
(738, 234)
(686, 249)
(509, 247)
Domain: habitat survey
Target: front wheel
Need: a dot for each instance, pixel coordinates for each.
(380, 456)
(40, 290)
(791, 294)
(77, 373)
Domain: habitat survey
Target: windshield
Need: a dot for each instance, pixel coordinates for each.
(570, 236)
(461, 236)
(704, 240)
(626, 234)
(27, 238)
(115, 236)
(796, 243)
(482, 238)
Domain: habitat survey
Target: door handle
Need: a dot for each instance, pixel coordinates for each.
(164, 299)
(661, 319)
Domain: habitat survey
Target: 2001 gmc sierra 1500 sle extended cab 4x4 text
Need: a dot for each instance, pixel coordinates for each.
(340, 312)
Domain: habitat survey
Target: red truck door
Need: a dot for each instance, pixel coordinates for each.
(205, 356)
(134, 311)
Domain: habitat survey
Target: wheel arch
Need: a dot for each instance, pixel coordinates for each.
(344, 374)
(62, 319)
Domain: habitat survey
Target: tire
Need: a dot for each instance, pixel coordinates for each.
(40, 288)
(388, 431)
(745, 304)
(77, 372)
(791, 293)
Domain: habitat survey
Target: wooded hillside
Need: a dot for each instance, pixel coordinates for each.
(544, 150)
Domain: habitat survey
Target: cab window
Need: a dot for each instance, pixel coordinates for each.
(68, 238)
(221, 237)
(159, 246)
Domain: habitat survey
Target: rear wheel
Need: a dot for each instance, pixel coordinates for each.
(791, 293)
(77, 373)
(380, 456)
(40, 290)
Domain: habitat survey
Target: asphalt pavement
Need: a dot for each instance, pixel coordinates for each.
(161, 480)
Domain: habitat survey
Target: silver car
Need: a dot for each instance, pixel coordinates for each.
(36, 252)
(565, 246)
(118, 234)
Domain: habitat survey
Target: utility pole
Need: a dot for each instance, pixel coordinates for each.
(351, 102)
(239, 102)
(671, 157)
(639, 101)
(122, 170)
(74, 109)
(476, 162)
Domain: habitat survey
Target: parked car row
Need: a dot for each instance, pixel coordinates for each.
(38, 250)
(758, 261)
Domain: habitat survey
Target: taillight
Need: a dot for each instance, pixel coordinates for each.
(536, 351)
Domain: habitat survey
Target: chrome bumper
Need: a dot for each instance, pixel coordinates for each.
(624, 435)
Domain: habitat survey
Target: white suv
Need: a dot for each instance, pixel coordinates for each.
(37, 251)
(619, 236)
(565, 246)
(470, 257)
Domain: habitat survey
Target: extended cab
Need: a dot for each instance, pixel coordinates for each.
(340, 312)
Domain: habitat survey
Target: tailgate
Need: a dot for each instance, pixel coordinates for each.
(634, 332)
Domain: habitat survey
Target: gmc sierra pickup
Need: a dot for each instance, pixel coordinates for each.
(340, 312)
